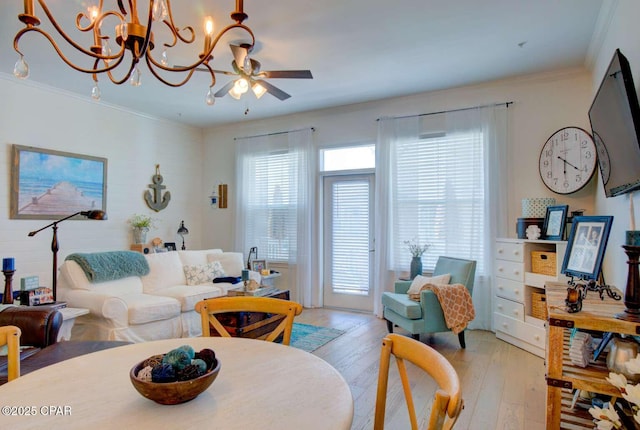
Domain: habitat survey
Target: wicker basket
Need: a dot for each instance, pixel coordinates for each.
(543, 263)
(538, 305)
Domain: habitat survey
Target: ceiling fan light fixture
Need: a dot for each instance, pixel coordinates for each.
(241, 86)
(258, 89)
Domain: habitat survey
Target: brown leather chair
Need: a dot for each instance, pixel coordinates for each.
(40, 326)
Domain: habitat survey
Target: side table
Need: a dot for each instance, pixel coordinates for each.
(270, 279)
(69, 316)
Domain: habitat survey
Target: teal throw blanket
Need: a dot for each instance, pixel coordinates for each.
(112, 265)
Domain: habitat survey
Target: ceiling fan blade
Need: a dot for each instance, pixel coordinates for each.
(291, 74)
(224, 90)
(239, 52)
(274, 91)
(223, 72)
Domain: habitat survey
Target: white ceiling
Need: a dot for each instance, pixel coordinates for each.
(357, 50)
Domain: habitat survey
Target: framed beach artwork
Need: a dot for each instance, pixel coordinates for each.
(48, 184)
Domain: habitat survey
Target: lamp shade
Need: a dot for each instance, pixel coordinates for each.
(182, 231)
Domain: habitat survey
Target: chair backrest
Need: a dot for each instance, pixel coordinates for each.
(210, 307)
(447, 403)
(462, 271)
(10, 336)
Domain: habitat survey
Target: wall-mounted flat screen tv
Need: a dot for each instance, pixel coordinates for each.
(615, 122)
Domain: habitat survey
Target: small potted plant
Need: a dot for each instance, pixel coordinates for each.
(141, 224)
(416, 251)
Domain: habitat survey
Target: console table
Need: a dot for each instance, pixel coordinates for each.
(562, 376)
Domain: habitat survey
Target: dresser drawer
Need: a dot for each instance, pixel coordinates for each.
(510, 308)
(510, 270)
(509, 289)
(510, 251)
(521, 330)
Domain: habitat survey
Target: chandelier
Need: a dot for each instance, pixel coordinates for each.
(121, 39)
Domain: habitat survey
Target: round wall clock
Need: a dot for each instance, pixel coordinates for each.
(568, 160)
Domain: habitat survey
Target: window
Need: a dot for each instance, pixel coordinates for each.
(440, 197)
(348, 158)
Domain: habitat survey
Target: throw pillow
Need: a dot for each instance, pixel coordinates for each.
(202, 273)
(420, 281)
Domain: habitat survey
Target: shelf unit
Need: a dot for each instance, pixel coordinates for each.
(562, 376)
(514, 283)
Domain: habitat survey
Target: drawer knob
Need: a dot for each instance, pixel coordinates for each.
(505, 325)
(515, 312)
(516, 292)
(516, 252)
(536, 337)
(499, 307)
(500, 251)
(500, 287)
(500, 269)
(516, 272)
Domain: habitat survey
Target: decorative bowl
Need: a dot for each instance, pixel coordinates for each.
(173, 393)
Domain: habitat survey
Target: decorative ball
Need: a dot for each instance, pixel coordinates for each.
(190, 351)
(191, 371)
(178, 358)
(145, 374)
(153, 361)
(163, 373)
(208, 356)
(200, 364)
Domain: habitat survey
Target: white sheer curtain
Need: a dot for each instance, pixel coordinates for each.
(441, 179)
(275, 206)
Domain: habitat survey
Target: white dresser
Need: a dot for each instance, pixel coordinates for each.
(514, 283)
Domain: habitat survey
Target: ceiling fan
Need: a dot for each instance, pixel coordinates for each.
(250, 76)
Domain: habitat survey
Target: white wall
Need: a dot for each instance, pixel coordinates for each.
(623, 33)
(133, 144)
(542, 104)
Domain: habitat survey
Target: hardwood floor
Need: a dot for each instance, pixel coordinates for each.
(503, 386)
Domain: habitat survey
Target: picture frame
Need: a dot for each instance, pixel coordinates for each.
(258, 265)
(170, 246)
(586, 246)
(50, 184)
(555, 222)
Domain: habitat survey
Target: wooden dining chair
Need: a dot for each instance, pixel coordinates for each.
(447, 403)
(283, 311)
(10, 336)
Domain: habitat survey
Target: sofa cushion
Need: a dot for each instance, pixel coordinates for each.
(166, 271)
(402, 305)
(188, 296)
(145, 308)
(203, 273)
(73, 277)
(196, 257)
(232, 262)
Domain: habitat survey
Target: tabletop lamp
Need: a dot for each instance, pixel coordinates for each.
(97, 215)
(182, 231)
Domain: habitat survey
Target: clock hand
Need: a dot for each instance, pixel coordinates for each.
(566, 162)
(564, 165)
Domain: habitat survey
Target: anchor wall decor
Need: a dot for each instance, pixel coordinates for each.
(157, 201)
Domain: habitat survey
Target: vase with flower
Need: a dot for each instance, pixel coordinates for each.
(621, 414)
(141, 224)
(416, 251)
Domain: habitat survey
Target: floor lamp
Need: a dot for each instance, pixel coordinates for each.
(54, 242)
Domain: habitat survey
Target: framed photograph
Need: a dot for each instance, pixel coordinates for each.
(258, 265)
(555, 222)
(48, 184)
(170, 246)
(586, 246)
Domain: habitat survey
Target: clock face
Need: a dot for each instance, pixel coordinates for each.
(568, 160)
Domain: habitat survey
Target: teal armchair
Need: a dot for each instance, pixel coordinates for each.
(426, 315)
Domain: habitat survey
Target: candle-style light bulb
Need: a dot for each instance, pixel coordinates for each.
(208, 33)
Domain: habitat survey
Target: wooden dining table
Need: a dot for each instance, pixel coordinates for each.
(261, 385)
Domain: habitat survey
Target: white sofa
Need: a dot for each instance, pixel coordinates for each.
(159, 305)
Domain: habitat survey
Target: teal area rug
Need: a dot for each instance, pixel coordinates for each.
(310, 337)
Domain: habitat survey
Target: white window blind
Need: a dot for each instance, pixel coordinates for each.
(350, 236)
(271, 210)
(440, 197)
